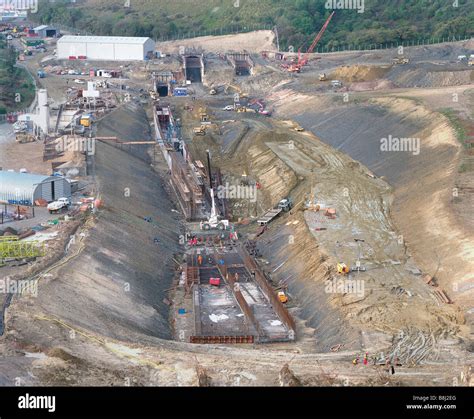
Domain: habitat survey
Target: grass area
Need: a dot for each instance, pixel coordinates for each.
(467, 164)
(17, 86)
(456, 123)
(415, 100)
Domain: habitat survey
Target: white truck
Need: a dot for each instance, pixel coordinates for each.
(58, 205)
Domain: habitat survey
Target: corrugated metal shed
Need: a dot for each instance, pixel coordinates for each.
(105, 48)
(25, 188)
(41, 27)
(104, 39)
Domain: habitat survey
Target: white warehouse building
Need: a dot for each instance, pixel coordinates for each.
(105, 48)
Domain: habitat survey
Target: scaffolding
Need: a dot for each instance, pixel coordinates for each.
(12, 248)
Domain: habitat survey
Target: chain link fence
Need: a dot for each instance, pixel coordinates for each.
(391, 45)
(328, 47)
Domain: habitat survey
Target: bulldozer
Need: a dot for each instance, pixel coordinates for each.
(199, 130)
(282, 297)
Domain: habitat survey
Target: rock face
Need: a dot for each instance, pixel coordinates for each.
(286, 378)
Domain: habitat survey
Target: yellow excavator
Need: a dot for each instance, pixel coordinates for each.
(342, 268)
(237, 89)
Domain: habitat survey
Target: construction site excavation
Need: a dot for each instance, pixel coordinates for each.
(215, 211)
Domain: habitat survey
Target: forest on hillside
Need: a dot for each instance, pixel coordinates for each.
(297, 21)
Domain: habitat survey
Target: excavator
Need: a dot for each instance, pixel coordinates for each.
(237, 89)
(342, 268)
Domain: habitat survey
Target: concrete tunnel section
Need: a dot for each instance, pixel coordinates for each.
(193, 66)
(241, 62)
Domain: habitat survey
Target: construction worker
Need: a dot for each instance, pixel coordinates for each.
(366, 358)
(200, 260)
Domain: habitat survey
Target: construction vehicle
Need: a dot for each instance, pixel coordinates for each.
(199, 130)
(204, 117)
(282, 297)
(58, 205)
(213, 92)
(358, 267)
(400, 60)
(86, 121)
(470, 63)
(286, 204)
(322, 77)
(298, 128)
(213, 221)
(336, 83)
(302, 61)
(237, 89)
(24, 137)
(261, 107)
(342, 269)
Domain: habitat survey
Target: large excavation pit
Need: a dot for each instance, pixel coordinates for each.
(237, 310)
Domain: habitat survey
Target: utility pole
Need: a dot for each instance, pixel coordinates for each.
(275, 29)
(358, 266)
